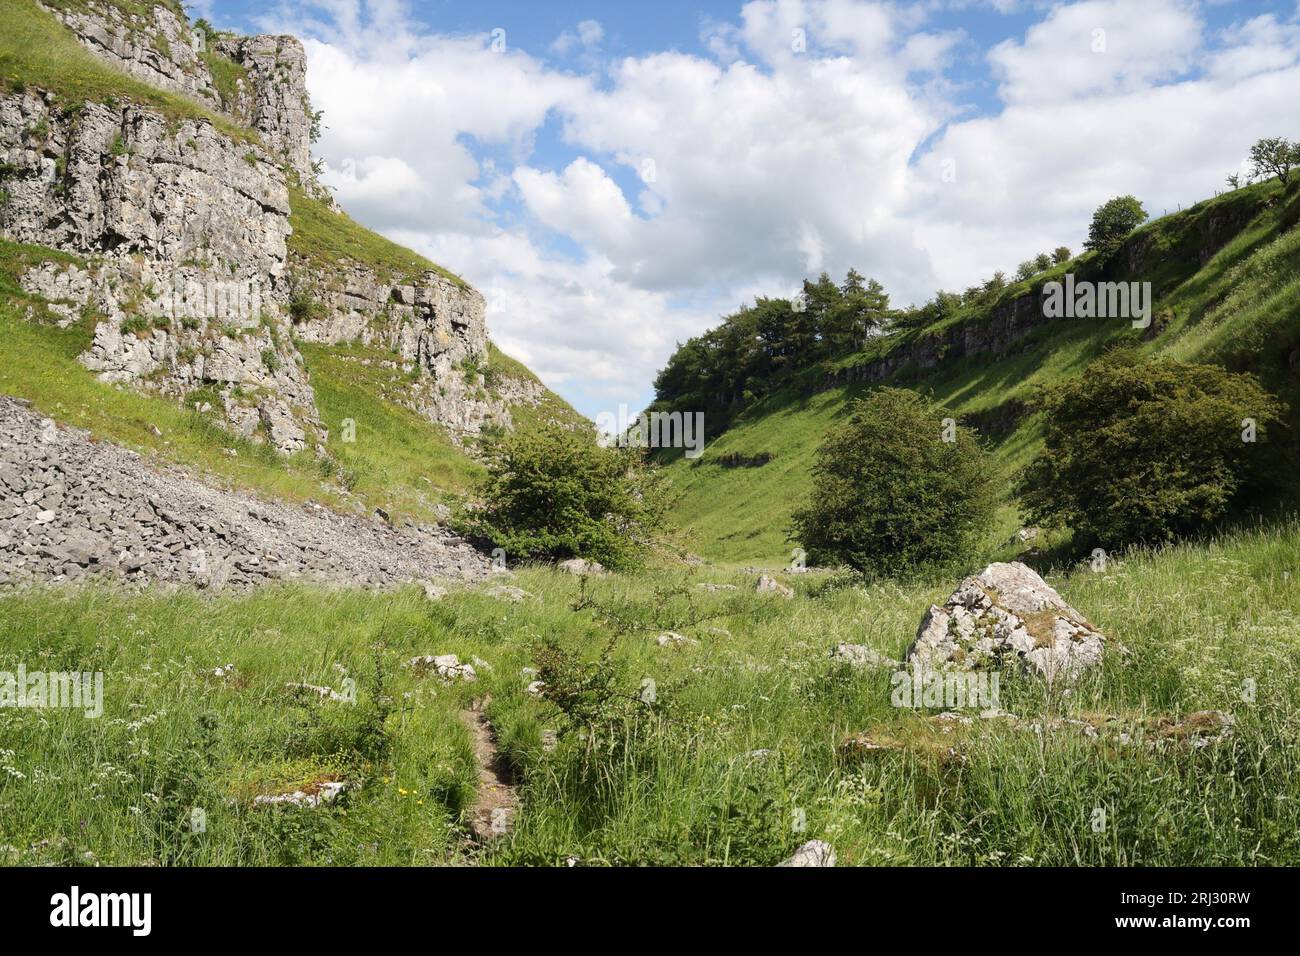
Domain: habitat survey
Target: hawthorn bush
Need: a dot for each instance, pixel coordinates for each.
(891, 495)
(554, 493)
(1145, 452)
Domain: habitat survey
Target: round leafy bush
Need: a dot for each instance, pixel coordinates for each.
(1112, 223)
(1146, 452)
(554, 493)
(897, 488)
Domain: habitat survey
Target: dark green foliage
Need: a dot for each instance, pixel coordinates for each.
(1143, 453)
(890, 495)
(1112, 222)
(553, 492)
(754, 350)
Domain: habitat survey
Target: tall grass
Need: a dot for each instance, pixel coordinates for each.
(676, 782)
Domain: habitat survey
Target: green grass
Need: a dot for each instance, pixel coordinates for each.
(323, 236)
(398, 458)
(37, 51)
(675, 784)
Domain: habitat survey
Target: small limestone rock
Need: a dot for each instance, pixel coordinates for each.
(578, 566)
(510, 594)
(812, 853)
(433, 592)
(770, 585)
(446, 666)
(673, 639)
(860, 655)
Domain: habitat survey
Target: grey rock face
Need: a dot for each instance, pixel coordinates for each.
(70, 508)
(163, 50)
(1004, 613)
(125, 180)
(157, 47)
(277, 105)
(188, 231)
(432, 326)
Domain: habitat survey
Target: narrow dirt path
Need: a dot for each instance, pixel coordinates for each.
(496, 803)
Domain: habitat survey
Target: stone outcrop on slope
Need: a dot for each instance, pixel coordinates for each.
(186, 231)
(431, 323)
(71, 508)
(159, 47)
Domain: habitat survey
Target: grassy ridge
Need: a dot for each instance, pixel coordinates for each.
(323, 236)
(1240, 308)
(681, 783)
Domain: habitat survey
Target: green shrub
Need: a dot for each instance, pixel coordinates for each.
(552, 492)
(1112, 223)
(1145, 452)
(890, 495)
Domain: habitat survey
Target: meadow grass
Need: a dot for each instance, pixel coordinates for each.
(677, 781)
(398, 457)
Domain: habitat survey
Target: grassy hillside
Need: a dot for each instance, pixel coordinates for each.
(1240, 308)
(741, 741)
(323, 236)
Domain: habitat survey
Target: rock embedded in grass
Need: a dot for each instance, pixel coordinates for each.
(579, 566)
(1007, 613)
(446, 666)
(673, 639)
(770, 585)
(812, 853)
(860, 655)
(510, 594)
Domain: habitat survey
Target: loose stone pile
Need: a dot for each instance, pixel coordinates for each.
(71, 508)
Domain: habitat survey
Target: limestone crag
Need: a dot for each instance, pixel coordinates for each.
(274, 101)
(431, 324)
(124, 179)
(184, 232)
(161, 48)
(156, 46)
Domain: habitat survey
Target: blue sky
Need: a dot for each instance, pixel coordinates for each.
(615, 176)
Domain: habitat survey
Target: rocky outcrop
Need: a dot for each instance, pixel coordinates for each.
(156, 45)
(71, 509)
(264, 83)
(184, 230)
(274, 100)
(432, 324)
(1007, 614)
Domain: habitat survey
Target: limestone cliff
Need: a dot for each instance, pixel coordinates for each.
(183, 221)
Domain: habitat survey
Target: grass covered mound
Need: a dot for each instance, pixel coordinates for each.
(734, 750)
(324, 236)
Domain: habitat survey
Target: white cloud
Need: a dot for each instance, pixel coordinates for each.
(1099, 46)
